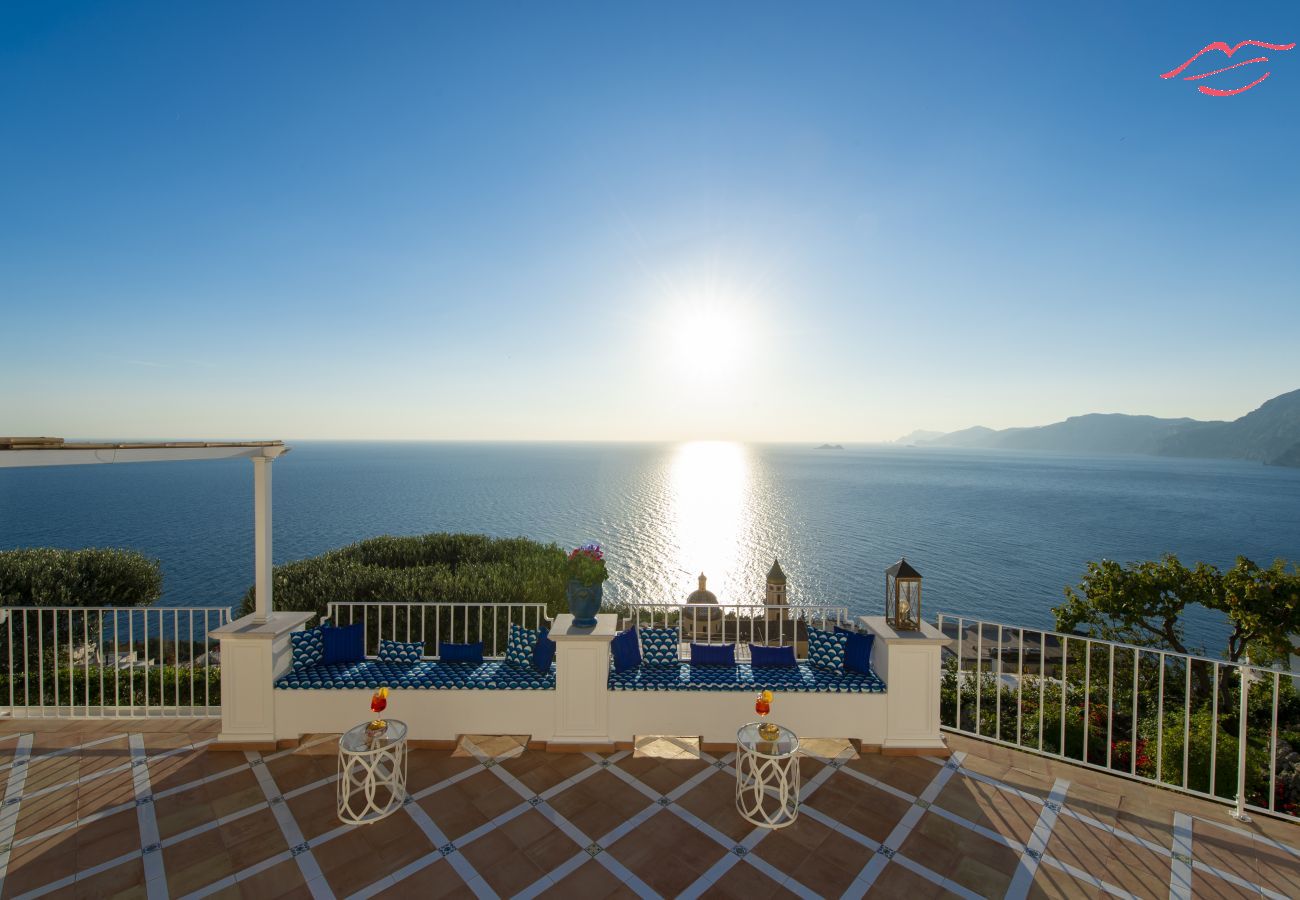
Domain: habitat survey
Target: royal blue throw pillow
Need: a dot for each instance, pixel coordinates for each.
(400, 652)
(857, 655)
(543, 652)
(308, 647)
(470, 653)
(713, 654)
(344, 645)
(626, 649)
(772, 656)
(826, 649)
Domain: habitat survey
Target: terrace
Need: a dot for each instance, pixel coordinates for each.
(143, 808)
(206, 763)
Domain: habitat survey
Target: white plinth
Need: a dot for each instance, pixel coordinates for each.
(910, 665)
(767, 777)
(372, 773)
(253, 655)
(582, 679)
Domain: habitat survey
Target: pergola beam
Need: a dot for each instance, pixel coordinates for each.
(43, 451)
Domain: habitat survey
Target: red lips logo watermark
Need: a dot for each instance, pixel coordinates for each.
(1223, 48)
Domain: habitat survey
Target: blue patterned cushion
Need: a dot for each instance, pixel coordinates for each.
(427, 675)
(826, 649)
(802, 678)
(400, 652)
(658, 646)
(520, 645)
(308, 647)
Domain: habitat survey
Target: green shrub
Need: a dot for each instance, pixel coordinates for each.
(49, 577)
(429, 568)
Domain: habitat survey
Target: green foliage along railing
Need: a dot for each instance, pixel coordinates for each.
(76, 690)
(445, 568)
(1166, 718)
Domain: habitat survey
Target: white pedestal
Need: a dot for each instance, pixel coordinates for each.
(253, 655)
(582, 680)
(909, 664)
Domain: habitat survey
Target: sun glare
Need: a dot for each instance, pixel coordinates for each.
(708, 342)
(710, 484)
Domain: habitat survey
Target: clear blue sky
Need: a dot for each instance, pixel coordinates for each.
(625, 221)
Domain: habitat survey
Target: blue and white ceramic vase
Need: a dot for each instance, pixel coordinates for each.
(584, 602)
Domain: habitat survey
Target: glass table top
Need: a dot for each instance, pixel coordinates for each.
(786, 743)
(357, 741)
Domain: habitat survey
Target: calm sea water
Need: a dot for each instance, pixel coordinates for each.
(995, 535)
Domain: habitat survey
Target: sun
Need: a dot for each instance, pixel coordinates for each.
(708, 341)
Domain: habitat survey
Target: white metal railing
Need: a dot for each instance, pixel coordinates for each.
(1190, 723)
(435, 623)
(111, 661)
(739, 623)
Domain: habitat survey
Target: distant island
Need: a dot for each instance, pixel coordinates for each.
(830, 447)
(1270, 434)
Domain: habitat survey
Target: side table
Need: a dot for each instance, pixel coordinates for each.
(767, 777)
(372, 773)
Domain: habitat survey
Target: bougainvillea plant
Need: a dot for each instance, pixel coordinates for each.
(586, 565)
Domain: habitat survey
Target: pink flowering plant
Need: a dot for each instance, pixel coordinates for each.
(586, 565)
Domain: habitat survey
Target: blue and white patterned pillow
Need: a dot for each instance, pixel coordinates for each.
(826, 649)
(520, 645)
(308, 647)
(658, 646)
(399, 652)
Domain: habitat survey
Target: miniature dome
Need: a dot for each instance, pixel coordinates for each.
(702, 595)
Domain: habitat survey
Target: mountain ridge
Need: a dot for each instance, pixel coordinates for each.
(1269, 434)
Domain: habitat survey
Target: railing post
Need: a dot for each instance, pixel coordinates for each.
(1240, 812)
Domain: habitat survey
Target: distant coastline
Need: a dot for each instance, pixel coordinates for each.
(1269, 434)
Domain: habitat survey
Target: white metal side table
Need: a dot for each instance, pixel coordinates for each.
(767, 776)
(372, 773)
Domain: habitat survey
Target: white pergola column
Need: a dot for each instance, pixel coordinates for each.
(262, 538)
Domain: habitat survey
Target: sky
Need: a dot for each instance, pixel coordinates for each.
(751, 221)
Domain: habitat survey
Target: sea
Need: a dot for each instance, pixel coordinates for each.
(996, 535)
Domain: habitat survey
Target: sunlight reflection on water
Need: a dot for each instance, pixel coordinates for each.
(711, 500)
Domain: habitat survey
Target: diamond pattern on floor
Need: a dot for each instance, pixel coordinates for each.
(497, 818)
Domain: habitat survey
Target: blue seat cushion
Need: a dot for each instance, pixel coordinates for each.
(429, 675)
(803, 678)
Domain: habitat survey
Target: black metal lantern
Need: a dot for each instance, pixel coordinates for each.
(903, 597)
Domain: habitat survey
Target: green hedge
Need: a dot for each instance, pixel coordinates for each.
(46, 576)
(77, 683)
(446, 568)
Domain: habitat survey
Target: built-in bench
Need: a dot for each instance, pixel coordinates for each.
(743, 677)
(431, 675)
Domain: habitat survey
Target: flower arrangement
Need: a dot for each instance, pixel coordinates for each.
(586, 565)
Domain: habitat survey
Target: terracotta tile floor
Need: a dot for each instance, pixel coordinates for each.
(143, 809)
